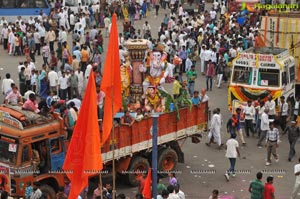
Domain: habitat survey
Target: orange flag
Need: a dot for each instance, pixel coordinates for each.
(111, 82)
(147, 192)
(83, 157)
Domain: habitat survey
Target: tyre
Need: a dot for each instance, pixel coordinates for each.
(167, 161)
(48, 190)
(138, 166)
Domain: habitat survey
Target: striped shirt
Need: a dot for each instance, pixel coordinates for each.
(257, 189)
(272, 135)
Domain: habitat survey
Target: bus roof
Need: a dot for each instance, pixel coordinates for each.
(265, 50)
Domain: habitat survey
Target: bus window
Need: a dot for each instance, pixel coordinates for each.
(72, 3)
(242, 75)
(8, 152)
(55, 146)
(25, 154)
(268, 77)
(292, 73)
(284, 78)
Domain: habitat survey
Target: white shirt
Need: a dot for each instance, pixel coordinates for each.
(264, 123)
(53, 78)
(181, 194)
(6, 85)
(173, 196)
(88, 71)
(63, 82)
(271, 107)
(249, 112)
(296, 108)
(231, 151)
(283, 108)
(296, 170)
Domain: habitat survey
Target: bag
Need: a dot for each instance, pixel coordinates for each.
(70, 60)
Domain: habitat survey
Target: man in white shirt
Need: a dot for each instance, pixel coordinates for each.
(63, 86)
(53, 80)
(6, 84)
(264, 127)
(36, 37)
(296, 108)
(297, 182)
(249, 112)
(284, 107)
(232, 152)
(80, 77)
(146, 27)
(178, 191)
(270, 104)
(172, 195)
(11, 41)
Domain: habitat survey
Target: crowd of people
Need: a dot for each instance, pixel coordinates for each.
(206, 41)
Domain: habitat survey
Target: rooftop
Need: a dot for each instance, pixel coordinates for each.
(265, 50)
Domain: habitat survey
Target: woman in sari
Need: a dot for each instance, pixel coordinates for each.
(43, 83)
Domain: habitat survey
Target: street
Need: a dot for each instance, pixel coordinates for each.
(204, 166)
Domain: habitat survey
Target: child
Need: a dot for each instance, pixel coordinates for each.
(196, 99)
(28, 190)
(26, 51)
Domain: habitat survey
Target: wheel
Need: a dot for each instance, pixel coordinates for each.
(138, 166)
(48, 190)
(167, 161)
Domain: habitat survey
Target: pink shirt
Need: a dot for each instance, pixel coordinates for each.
(210, 70)
(30, 105)
(12, 97)
(100, 98)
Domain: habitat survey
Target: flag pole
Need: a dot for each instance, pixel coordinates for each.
(100, 185)
(113, 152)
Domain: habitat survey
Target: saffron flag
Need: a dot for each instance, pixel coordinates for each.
(147, 192)
(83, 157)
(111, 82)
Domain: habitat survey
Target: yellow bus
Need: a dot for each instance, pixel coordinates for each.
(259, 72)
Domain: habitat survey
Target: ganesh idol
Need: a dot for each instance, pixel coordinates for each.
(160, 70)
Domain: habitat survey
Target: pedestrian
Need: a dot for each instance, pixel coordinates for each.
(232, 124)
(297, 182)
(272, 142)
(269, 191)
(256, 187)
(172, 179)
(264, 126)
(172, 194)
(215, 194)
(157, 2)
(210, 71)
(270, 104)
(293, 135)
(283, 112)
(37, 193)
(191, 76)
(239, 129)
(6, 84)
(249, 111)
(178, 191)
(296, 108)
(214, 133)
(232, 152)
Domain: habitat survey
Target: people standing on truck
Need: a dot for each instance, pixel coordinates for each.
(191, 77)
(283, 113)
(127, 119)
(272, 143)
(37, 193)
(270, 104)
(249, 112)
(196, 100)
(293, 136)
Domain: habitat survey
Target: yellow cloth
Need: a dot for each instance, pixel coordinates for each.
(176, 87)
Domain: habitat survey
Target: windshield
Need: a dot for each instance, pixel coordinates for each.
(8, 152)
(23, 4)
(242, 75)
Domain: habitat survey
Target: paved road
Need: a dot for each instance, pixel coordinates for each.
(198, 157)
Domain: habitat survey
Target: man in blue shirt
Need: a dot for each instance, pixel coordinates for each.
(196, 99)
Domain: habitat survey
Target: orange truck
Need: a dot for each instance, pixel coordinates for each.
(33, 147)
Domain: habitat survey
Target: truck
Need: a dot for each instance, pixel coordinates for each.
(23, 134)
(262, 71)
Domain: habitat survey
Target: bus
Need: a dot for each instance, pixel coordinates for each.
(260, 72)
(10, 9)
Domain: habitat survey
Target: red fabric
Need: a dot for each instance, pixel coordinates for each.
(83, 157)
(147, 192)
(111, 82)
(268, 190)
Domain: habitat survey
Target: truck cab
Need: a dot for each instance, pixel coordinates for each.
(32, 149)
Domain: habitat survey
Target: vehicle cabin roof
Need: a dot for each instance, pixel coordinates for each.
(22, 123)
(265, 50)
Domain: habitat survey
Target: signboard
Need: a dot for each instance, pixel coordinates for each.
(4, 178)
(12, 148)
(264, 82)
(6, 118)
